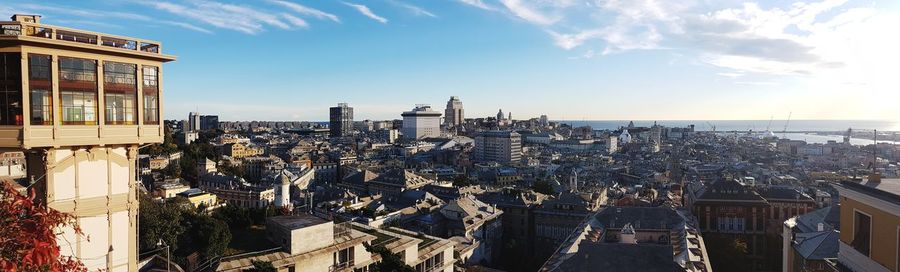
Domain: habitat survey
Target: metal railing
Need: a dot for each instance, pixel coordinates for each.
(342, 229)
(79, 36)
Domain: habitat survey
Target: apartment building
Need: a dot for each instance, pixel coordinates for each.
(870, 225)
(78, 104)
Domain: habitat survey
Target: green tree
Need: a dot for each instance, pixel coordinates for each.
(728, 253)
(542, 186)
(158, 221)
(461, 181)
(261, 266)
(235, 217)
(390, 262)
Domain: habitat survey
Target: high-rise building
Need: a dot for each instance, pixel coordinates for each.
(498, 146)
(340, 120)
(193, 121)
(500, 115)
(544, 120)
(80, 149)
(454, 114)
(209, 122)
(421, 122)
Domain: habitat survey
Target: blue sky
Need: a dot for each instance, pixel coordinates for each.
(587, 59)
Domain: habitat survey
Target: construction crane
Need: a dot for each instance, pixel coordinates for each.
(770, 122)
(713, 127)
(784, 131)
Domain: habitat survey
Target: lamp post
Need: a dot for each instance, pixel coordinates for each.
(168, 257)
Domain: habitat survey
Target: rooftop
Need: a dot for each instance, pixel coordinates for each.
(293, 222)
(27, 28)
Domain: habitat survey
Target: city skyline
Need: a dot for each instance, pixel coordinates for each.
(570, 60)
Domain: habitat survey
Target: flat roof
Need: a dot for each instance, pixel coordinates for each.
(293, 222)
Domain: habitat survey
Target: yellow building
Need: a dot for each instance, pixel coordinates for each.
(237, 150)
(79, 104)
(870, 225)
(198, 197)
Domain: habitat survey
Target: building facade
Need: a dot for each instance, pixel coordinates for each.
(79, 104)
(870, 225)
(454, 115)
(498, 146)
(340, 120)
(421, 122)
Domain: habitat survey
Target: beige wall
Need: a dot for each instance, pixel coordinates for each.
(96, 186)
(884, 231)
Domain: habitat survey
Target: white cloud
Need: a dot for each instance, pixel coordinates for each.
(307, 11)
(418, 11)
(187, 26)
(294, 20)
(92, 14)
(527, 12)
(227, 16)
(364, 10)
(478, 4)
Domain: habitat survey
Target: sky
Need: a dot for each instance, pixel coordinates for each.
(571, 60)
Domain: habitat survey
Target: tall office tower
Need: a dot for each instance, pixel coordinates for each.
(78, 104)
(454, 115)
(498, 146)
(500, 115)
(193, 121)
(340, 120)
(544, 121)
(209, 122)
(421, 122)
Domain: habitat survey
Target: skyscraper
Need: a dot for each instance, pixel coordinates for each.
(544, 120)
(82, 150)
(454, 114)
(421, 122)
(193, 121)
(341, 120)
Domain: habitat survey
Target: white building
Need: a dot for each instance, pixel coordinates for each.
(421, 122)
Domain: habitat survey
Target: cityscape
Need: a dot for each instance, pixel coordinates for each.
(98, 174)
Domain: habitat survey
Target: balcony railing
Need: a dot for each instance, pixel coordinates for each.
(342, 230)
(79, 36)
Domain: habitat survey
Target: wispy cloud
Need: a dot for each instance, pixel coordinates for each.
(478, 4)
(364, 10)
(227, 16)
(527, 13)
(294, 20)
(92, 14)
(306, 11)
(418, 11)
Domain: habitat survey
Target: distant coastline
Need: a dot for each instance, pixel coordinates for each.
(748, 125)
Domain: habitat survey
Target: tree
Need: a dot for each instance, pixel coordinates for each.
(261, 266)
(542, 186)
(461, 181)
(159, 221)
(236, 217)
(390, 262)
(27, 238)
(728, 253)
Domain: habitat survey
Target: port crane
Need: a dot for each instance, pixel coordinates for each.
(786, 123)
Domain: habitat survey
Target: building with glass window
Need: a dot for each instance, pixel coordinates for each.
(870, 225)
(78, 104)
(340, 120)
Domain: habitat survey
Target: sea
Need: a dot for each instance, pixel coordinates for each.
(747, 125)
(828, 130)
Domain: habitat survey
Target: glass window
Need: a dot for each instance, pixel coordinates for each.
(41, 107)
(120, 93)
(78, 91)
(151, 94)
(11, 89)
(862, 235)
(39, 82)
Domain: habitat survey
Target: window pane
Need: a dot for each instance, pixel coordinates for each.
(11, 89)
(151, 94)
(862, 236)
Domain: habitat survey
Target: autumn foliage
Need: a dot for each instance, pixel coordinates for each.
(27, 237)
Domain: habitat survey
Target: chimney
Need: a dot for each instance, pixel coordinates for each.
(25, 18)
